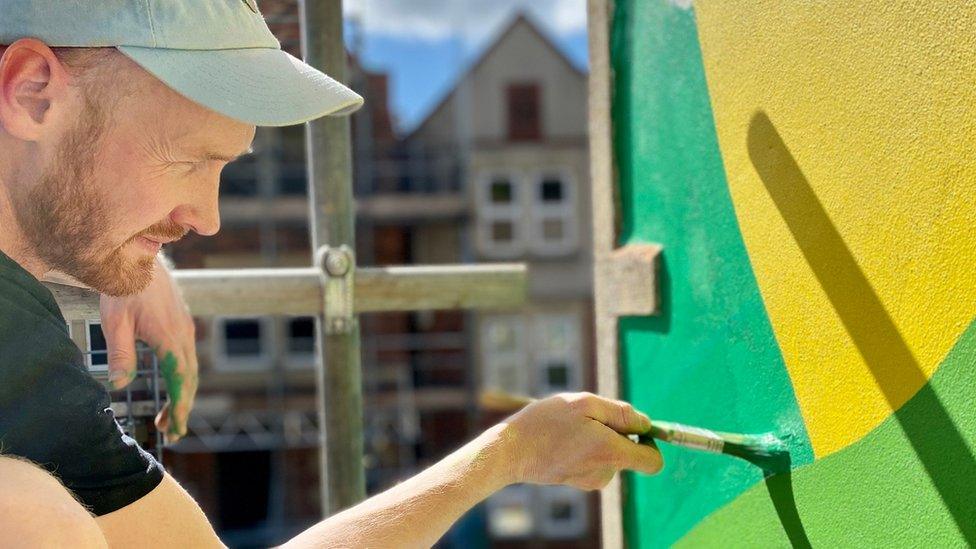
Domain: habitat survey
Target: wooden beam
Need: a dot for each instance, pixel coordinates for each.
(297, 291)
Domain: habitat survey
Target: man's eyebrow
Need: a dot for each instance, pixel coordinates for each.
(226, 158)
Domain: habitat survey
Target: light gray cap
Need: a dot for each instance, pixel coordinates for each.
(219, 53)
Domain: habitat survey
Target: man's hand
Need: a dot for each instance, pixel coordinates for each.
(159, 317)
(577, 439)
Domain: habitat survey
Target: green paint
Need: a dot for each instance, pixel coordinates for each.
(875, 492)
(710, 358)
(174, 386)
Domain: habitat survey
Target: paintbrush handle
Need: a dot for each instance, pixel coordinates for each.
(685, 435)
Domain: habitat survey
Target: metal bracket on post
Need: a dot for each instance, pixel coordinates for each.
(337, 267)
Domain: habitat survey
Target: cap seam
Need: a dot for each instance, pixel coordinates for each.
(152, 24)
(236, 48)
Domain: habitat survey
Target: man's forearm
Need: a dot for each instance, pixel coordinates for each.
(417, 511)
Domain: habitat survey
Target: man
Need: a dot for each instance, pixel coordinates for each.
(116, 118)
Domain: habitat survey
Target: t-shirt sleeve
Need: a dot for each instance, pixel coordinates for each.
(55, 414)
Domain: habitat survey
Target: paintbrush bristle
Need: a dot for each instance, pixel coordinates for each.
(765, 444)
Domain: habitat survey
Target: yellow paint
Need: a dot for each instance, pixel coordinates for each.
(876, 101)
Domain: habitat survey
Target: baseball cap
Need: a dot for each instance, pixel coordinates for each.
(219, 53)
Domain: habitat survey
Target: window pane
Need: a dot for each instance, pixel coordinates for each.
(561, 510)
(557, 375)
(301, 335)
(502, 337)
(502, 231)
(524, 112)
(501, 191)
(551, 190)
(292, 180)
(510, 512)
(557, 333)
(242, 337)
(239, 178)
(552, 229)
(99, 349)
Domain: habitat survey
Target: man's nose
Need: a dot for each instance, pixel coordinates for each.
(201, 213)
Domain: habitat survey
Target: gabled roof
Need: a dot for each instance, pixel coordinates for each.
(519, 17)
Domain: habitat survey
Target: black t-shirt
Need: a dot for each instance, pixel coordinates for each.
(52, 411)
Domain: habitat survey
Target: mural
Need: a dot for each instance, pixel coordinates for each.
(809, 168)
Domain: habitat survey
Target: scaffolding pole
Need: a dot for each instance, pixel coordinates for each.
(338, 372)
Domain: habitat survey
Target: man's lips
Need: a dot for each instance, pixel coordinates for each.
(159, 240)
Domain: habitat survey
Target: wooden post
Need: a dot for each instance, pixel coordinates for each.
(602, 175)
(338, 371)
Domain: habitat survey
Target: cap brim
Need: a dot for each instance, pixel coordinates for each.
(260, 86)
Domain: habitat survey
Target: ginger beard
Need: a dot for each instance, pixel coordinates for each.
(64, 214)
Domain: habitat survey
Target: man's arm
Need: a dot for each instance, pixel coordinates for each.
(419, 510)
(571, 438)
(165, 517)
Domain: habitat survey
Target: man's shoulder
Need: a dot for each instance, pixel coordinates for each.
(24, 301)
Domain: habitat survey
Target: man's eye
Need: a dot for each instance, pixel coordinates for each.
(191, 167)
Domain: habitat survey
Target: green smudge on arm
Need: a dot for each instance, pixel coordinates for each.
(174, 385)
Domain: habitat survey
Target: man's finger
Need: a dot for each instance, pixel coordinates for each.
(618, 415)
(180, 410)
(172, 367)
(120, 339)
(639, 457)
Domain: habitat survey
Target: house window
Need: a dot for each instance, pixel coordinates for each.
(554, 223)
(500, 225)
(300, 342)
(239, 178)
(502, 191)
(97, 359)
(556, 352)
(510, 513)
(536, 354)
(524, 112)
(541, 220)
(503, 352)
(242, 344)
(562, 512)
(301, 335)
(549, 512)
(242, 337)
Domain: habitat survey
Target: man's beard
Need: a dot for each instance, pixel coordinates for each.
(62, 216)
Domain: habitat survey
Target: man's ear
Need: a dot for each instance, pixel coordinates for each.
(32, 79)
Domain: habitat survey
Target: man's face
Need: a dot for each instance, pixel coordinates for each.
(144, 170)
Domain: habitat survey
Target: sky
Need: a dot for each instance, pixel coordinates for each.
(424, 45)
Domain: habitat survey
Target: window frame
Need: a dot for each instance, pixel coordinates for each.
(490, 358)
(261, 362)
(488, 212)
(565, 211)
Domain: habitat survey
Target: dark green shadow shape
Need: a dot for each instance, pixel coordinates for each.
(937, 442)
(779, 484)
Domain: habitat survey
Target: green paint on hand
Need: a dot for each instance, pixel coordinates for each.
(174, 385)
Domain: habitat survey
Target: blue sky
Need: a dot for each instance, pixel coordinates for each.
(424, 45)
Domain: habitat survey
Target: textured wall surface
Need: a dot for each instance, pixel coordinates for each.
(809, 168)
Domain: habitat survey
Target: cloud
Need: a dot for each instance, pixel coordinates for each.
(471, 21)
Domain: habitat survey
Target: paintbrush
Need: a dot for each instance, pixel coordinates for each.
(765, 450)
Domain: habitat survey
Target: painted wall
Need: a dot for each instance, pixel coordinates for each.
(809, 168)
